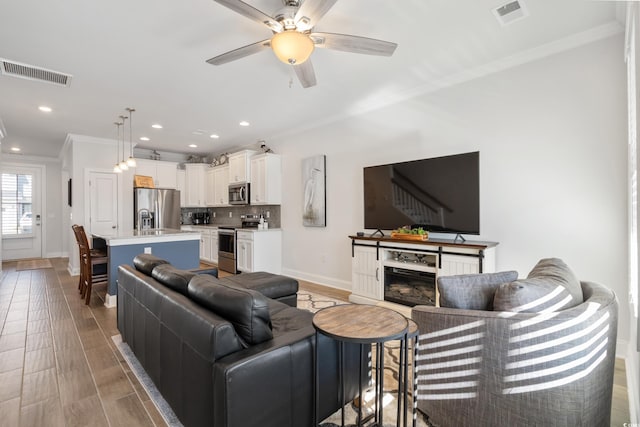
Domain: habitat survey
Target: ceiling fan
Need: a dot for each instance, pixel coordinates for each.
(293, 38)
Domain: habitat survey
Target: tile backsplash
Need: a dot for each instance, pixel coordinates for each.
(220, 216)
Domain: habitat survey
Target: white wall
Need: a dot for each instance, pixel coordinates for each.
(552, 142)
(52, 239)
(94, 154)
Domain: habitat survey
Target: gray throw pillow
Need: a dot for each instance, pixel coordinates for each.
(550, 286)
(472, 291)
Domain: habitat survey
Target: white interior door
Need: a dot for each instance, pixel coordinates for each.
(21, 211)
(103, 209)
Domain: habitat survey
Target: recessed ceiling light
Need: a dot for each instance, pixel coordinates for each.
(214, 136)
(144, 138)
(45, 109)
(193, 146)
(156, 126)
(244, 123)
(16, 149)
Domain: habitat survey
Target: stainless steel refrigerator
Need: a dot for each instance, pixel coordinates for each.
(156, 208)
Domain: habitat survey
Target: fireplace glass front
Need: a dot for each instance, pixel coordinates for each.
(409, 287)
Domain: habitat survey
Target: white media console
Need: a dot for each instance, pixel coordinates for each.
(405, 271)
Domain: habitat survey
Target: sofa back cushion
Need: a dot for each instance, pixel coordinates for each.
(172, 277)
(550, 286)
(472, 291)
(246, 309)
(145, 263)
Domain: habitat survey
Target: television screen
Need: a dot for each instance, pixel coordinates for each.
(440, 194)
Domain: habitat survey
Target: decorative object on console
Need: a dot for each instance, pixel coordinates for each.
(314, 196)
(408, 233)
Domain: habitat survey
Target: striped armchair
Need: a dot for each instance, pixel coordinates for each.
(491, 368)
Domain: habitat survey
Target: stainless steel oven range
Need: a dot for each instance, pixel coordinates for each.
(227, 249)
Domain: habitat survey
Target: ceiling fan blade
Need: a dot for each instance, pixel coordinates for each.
(252, 13)
(305, 73)
(310, 12)
(355, 44)
(241, 52)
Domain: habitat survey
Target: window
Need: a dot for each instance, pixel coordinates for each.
(17, 199)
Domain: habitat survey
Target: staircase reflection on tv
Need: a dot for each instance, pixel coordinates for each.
(409, 287)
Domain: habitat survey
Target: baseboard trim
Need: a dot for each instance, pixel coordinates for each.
(320, 280)
(111, 301)
(73, 271)
(632, 368)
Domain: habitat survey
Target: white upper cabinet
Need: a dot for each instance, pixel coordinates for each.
(266, 179)
(181, 185)
(210, 187)
(221, 186)
(195, 184)
(240, 166)
(164, 174)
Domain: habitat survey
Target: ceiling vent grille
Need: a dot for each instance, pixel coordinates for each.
(30, 72)
(510, 12)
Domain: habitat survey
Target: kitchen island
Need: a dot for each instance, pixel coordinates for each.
(180, 248)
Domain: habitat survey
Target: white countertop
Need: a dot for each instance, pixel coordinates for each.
(135, 237)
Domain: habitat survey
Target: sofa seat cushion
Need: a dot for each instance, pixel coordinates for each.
(550, 286)
(172, 277)
(246, 309)
(268, 284)
(145, 263)
(472, 291)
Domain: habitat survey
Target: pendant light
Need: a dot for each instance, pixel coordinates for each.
(131, 162)
(123, 164)
(116, 168)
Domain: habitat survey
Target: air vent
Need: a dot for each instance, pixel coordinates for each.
(30, 72)
(510, 12)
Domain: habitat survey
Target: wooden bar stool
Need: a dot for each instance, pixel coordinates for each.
(89, 259)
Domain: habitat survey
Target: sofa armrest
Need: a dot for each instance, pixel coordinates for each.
(273, 383)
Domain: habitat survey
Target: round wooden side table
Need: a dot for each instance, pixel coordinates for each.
(364, 325)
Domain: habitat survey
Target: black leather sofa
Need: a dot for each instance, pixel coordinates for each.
(227, 353)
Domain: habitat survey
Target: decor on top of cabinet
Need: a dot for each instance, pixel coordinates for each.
(263, 147)
(314, 197)
(408, 233)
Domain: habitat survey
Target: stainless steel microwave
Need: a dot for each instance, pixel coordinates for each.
(239, 194)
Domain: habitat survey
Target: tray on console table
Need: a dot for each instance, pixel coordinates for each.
(405, 236)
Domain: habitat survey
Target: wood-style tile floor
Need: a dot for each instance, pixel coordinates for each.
(59, 366)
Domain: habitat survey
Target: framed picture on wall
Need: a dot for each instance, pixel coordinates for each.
(314, 199)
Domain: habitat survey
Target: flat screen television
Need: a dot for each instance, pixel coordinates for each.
(440, 194)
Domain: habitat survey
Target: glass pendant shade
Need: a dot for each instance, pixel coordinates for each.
(292, 47)
(131, 162)
(117, 169)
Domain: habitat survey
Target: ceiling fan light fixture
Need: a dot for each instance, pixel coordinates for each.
(292, 47)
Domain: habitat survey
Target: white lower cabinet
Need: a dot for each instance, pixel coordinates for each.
(208, 243)
(259, 250)
(365, 273)
(375, 260)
